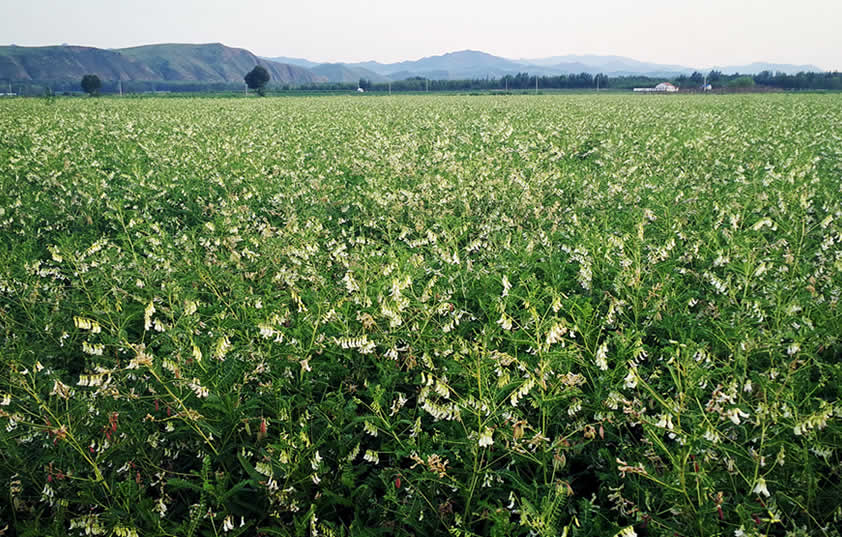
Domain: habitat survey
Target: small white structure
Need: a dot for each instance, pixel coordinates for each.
(360, 90)
(663, 87)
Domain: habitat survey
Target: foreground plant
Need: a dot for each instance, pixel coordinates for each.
(501, 316)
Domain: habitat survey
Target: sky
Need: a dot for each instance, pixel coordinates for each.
(693, 34)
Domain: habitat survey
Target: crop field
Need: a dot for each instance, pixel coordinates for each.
(499, 315)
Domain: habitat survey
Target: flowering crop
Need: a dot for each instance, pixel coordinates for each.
(555, 315)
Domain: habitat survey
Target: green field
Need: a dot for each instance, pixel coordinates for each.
(502, 315)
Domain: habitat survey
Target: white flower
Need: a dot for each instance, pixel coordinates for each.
(711, 435)
(631, 378)
(556, 333)
(665, 422)
(198, 389)
(266, 330)
(60, 389)
(506, 285)
(160, 507)
(370, 429)
(95, 350)
(485, 439)
(228, 524)
(601, 355)
(735, 414)
(371, 456)
(264, 468)
(147, 315)
(87, 324)
(760, 487)
(505, 322)
(223, 345)
(574, 408)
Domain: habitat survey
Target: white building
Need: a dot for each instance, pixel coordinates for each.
(663, 87)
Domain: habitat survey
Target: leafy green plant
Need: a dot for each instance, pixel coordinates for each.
(557, 315)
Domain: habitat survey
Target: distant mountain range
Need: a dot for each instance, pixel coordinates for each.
(219, 63)
(469, 64)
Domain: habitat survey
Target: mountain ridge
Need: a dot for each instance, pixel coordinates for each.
(467, 64)
(218, 63)
(181, 62)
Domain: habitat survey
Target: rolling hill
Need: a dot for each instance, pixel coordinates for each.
(68, 62)
(469, 64)
(300, 62)
(165, 62)
(758, 67)
(339, 72)
(463, 64)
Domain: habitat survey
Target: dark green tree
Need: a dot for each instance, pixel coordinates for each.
(741, 82)
(257, 79)
(91, 84)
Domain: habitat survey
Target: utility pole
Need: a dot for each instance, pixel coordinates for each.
(121, 88)
(536, 84)
(428, 85)
(390, 87)
(597, 83)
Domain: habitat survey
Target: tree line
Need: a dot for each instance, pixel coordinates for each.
(519, 82)
(525, 82)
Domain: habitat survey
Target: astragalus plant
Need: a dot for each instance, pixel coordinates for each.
(556, 315)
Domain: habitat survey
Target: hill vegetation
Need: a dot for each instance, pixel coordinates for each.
(339, 72)
(209, 63)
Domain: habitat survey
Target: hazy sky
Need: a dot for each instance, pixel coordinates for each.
(695, 34)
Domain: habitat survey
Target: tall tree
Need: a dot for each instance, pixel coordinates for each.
(257, 79)
(91, 84)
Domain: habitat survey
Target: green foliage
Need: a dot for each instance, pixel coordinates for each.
(741, 82)
(91, 84)
(521, 316)
(257, 79)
